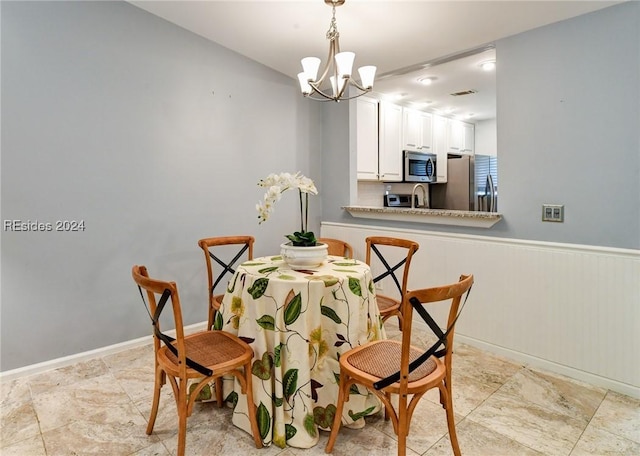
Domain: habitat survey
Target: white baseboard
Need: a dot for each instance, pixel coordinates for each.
(65, 361)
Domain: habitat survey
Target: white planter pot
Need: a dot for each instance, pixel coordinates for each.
(304, 257)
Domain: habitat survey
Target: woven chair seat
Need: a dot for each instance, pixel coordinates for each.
(386, 303)
(383, 359)
(209, 348)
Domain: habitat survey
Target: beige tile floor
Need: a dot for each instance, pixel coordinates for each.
(502, 408)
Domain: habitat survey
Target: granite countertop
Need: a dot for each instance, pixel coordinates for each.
(421, 215)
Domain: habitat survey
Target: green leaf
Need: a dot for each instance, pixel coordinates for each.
(290, 382)
(330, 313)
(259, 287)
(232, 398)
(286, 277)
(351, 263)
(292, 312)
(261, 368)
(289, 431)
(323, 417)
(277, 401)
(276, 352)
(218, 323)
(269, 269)
(354, 286)
(310, 426)
(267, 322)
(264, 420)
(371, 286)
(233, 285)
(357, 416)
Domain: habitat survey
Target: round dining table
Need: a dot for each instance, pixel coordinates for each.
(298, 322)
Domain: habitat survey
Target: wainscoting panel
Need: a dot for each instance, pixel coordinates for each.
(572, 309)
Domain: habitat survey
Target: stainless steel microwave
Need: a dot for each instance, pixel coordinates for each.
(419, 167)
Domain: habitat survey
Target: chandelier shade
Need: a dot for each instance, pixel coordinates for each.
(338, 70)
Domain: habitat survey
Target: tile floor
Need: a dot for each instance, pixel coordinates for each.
(502, 408)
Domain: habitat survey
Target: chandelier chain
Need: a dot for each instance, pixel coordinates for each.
(332, 33)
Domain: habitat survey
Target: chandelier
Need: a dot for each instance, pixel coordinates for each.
(338, 68)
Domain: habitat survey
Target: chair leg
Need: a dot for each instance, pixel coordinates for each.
(337, 419)
(386, 410)
(451, 424)
(219, 387)
(181, 401)
(251, 406)
(158, 382)
(403, 425)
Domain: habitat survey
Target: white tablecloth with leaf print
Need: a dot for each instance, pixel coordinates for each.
(298, 323)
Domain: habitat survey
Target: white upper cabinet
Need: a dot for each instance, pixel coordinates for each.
(367, 138)
(390, 153)
(417, 132)
(440, 127)
(460, 137)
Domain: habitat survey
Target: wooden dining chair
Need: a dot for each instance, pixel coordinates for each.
(206, 356)
(208, 245)
(402, 250)
(388, 367)
(338, 247)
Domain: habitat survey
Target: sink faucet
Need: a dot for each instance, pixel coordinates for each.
(425, 196)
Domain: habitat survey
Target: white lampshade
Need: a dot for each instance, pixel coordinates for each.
(338, 88)
(367, 74)
(310, 67)
(344, 63)
(304, 85)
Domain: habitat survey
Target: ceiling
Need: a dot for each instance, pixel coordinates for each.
(401, 38)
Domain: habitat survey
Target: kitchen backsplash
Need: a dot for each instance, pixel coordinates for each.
(371, 193)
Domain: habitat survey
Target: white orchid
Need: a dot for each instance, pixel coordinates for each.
(276, 185)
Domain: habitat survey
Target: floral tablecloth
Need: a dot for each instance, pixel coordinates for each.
(298, 323)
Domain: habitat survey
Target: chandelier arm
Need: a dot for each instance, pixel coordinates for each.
(327, 66)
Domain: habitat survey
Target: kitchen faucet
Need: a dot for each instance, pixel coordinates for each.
(425, 196)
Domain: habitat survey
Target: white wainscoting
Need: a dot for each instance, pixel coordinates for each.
(571, 309)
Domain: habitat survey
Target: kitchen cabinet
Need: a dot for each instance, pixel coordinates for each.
(460, 137)
(390, 142)
(367, 138)
(440, 125)
(417, 130)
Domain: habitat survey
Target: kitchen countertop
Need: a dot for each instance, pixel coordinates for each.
(421, 215)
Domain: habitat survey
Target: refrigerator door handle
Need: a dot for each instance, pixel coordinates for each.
(490, 191)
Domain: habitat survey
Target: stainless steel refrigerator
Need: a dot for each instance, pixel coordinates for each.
(471, 184)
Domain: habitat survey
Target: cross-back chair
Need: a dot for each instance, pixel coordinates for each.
(383, 248)
(208, 245)
(338, 247)
(206, 355)
(388, 367)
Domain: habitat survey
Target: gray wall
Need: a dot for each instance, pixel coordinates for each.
(568, 107)
(155, 138)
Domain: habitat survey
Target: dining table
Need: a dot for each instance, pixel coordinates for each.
(299, 322)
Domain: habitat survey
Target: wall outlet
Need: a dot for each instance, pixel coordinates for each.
(552, 213)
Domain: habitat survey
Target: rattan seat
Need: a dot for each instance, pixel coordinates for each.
(382, 358)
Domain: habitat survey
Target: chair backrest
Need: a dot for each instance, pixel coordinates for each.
(155, 287)
(338, 247)
(245, 247)
(421, 298)
(407, 247)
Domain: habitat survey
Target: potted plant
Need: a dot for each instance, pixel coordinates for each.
(303, 250)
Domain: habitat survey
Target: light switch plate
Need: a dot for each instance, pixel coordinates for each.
(553, 213)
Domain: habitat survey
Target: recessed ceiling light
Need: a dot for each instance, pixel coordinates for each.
(488, 65)
(426, 81)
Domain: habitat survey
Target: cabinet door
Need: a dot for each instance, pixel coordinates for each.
(367, 138)
(468, 135)
(455, 136)
(390, 154)
(426, 132)
(440, 147)
(411, 129)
